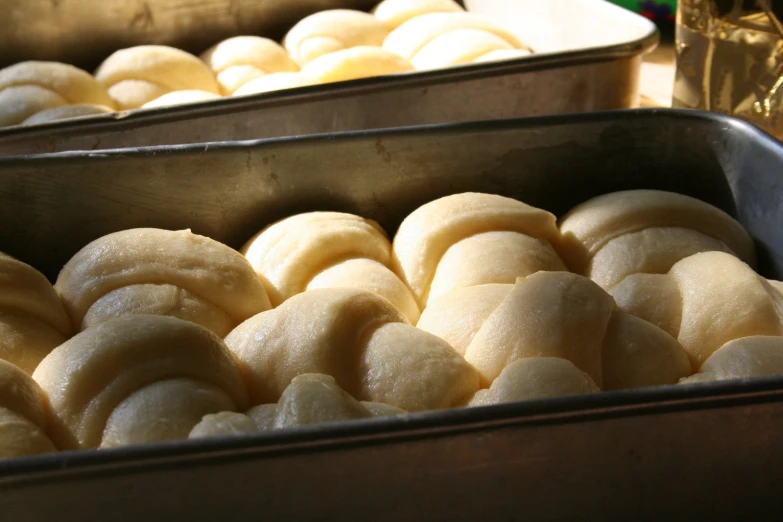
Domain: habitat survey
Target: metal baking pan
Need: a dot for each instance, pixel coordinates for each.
(712, 451)
(589, 59)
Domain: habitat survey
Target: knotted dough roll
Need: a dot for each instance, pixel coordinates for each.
(743, 358)
(359, 339)
(138, 75)
(27, 88)
(394, 13)
(24, 415)
(65, 112)
(535, 378)
(555, 314)
(137, 379)
(332, 30)
(160, 272)
(181, 98)
(238, 60)
(646, 231)
(705, 301)
(274, 82)
(473, 239)
(311, 398)
(354, 63)
(32, 319)
(446, 39)
(327, 250)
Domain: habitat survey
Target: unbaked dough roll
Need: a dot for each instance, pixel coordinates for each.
(311, 398)
(32, 319)
(160, 272)
(472, 239)
(332, 30)
(445, 39)
(24, 415)
(28, 88)
(138, 75)
(535, 378)
(705, 300)
(327, 250)
(359, 339)
(181, 98)
(273, 82)
(555, 314)
(646, 231)
(65, 112)
(240, 59)
(136, 379)
(394, 13)
(743, 358)
(354, 63)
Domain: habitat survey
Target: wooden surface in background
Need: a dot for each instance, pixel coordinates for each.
(658, 76)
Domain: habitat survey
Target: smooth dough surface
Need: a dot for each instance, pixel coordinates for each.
(65, 112)
(412, 37)
(358, 338)
(310, 399)
(535, 378)
(354, 63)
(125, 364)
(158, 299)
(28, 88)
(588, 227)
(426, 235)
(332, 30)
(394, 13)
(457, 316)
(289, 254)
(238, 60)
(181, 98)
(24, 417)
(705, 301)
(205, 268)
(458, 48)
(273, 82)
(140, 74)
(743, 358)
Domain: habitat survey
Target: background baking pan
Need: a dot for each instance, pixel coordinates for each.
(589, 59)
(712, 451)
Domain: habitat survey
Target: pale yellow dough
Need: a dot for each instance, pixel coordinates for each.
(181, 98)
(138, 75)
(743, 358)
(394, 13)
(332, 30)
(358, 338)
(136, 379)
(240, 59)
(327, 250)
(28, 88)
(535, 378)
(354, 63)
(65, 112)
(32, 319)
(440, 39)
(24, 415)
(555, 314)
(705, 300)
(154, 271)
(273, 82)
(472, 238)
(310, 399)
(646, 231)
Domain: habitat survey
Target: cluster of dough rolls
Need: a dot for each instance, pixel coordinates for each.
(151, 335)
(329, 46)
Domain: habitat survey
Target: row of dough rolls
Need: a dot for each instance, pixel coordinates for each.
(328, 46)
(321, 317)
